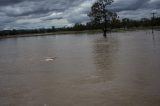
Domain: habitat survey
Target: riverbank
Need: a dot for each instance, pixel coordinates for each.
(52, 33)
(74, 32)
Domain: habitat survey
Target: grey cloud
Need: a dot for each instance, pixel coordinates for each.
(45, 13)
(136, 14)
(154, 5)
(78, 19)
(8, 2)
(122, 5)
(57, 15)
(34, 7)
(135, 9)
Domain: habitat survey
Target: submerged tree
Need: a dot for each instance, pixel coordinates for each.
(100, 14)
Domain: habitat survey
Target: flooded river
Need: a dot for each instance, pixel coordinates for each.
(81, 70)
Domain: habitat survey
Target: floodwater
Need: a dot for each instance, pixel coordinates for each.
(81, 70)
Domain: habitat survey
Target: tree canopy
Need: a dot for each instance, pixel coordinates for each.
(101, 14)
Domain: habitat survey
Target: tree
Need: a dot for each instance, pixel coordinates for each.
(100, 14)
(78, 27)
(125, 22)
(53, 28)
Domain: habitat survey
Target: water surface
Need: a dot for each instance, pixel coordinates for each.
(86, 70)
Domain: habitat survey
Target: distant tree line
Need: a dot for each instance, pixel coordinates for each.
(113, 24)
(26, 31)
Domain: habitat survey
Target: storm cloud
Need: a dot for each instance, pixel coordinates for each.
(27, 14)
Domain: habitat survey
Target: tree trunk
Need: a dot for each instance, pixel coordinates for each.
(105, 33)
(105, 27)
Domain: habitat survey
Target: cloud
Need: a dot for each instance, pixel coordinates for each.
(136, 9)
(123, 5)
(8, 2)
(59, 13)
(137, 14)
(54, 15)
(79, 13)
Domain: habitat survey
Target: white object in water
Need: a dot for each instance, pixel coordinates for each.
(50, 59)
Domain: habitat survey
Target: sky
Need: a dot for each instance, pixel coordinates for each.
(29, 14)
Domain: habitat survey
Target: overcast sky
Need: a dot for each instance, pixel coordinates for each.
(27, 14)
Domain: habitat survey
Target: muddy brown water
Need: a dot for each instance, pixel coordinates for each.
(81, 70)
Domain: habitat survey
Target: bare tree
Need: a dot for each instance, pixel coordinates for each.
(100, 14)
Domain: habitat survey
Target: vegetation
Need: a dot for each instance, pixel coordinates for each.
(101, 15)
(114, 24)
(101, 18)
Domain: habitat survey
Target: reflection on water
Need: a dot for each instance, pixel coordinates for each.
(122, 70)
(104, 50)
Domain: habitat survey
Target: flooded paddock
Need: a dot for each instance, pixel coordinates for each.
(81, 70)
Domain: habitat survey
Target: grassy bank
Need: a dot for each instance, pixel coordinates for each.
(52, 33)
(77, 32)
